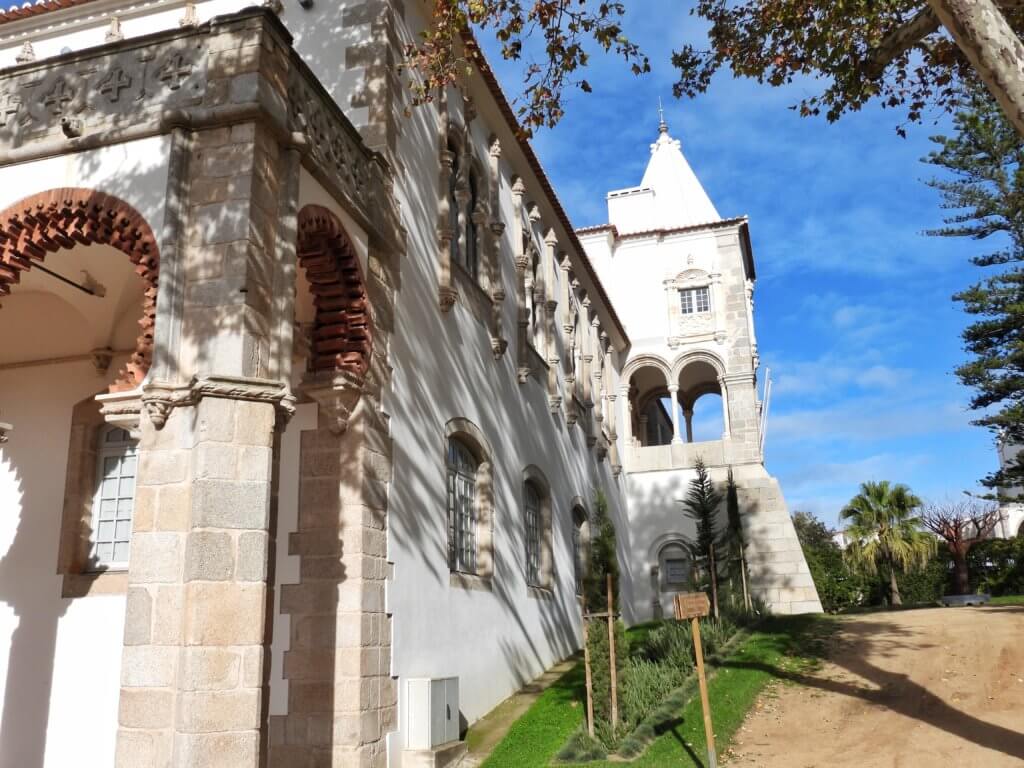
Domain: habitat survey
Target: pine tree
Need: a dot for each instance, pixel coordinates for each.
(987, 191)
(701, 505)
(604, 559)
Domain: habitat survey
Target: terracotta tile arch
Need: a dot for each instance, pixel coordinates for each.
(342, 336)
(63, 218)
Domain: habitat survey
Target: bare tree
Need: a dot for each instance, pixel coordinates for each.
(962, 524)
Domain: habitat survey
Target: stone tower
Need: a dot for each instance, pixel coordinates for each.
(682, 279)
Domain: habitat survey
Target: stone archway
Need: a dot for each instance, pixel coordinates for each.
(63, 218)
(342, 331)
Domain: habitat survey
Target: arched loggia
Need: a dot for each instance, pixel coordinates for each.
(60, 219)
(342, 330)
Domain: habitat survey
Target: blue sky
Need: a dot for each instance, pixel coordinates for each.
(853, 307)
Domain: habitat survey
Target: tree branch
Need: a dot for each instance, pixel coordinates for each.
(905, 37)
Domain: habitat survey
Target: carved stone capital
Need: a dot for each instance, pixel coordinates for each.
(123, 409)
(101, 359)
(447, 295)
(160, 398)
(498, 347)
(555, 403)
(523, 374)
(336, 392)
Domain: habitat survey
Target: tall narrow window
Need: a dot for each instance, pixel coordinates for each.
(453, 201)
(533, 534)
(472, 263)
(114, 500)
(462, 507)
(695, 300)
(579, 547)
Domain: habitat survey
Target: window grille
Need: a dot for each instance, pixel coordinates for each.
(676, 570)
(472, 262)
(533, 531)
(694, 300)
(462, 515)
(453, 201)
(114, 501)
(577, 553)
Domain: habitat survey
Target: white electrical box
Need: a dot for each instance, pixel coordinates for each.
(432, 712)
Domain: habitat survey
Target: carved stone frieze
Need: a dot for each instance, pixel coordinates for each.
(160, 398)
(114, 87)
(339, 150)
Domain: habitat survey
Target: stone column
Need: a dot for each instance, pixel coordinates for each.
(718, 306)
(673, 394)
(550, 325)
(342, 700)
(643, 437)
(524, 281)
(193, 672)
(627, 416)
(726, 420)
(688, 415)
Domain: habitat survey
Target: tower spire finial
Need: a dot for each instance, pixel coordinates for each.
(662, 125)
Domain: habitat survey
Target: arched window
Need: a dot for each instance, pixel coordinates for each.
(472, 262)
(675, 565)
(115, 496)
(537, 516)
(580, 546)
(453, 200)
(532, 520)
(462, 507)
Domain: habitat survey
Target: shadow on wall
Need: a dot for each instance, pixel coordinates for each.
(32, 480)
(32, 627)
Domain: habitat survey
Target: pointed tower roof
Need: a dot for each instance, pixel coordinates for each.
(670, 195)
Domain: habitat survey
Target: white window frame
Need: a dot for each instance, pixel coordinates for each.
(692, 299)
(126, 448)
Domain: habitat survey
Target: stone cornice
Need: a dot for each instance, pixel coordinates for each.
(159, 398)
(145, 86)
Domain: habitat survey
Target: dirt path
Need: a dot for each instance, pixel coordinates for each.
(928, 688)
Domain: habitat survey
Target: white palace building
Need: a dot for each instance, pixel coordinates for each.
(305, 395)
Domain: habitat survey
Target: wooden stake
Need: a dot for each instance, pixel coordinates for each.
(586, 667)
(743, 576)
(709, 732)
(714, 581)
(613, 673)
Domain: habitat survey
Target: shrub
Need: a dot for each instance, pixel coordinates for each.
(997, 566)
(597, 643)
(645, 684)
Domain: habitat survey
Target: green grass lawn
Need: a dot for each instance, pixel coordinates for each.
(1008, 600)
(780, 645)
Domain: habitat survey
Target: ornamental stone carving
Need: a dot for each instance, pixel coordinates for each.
(158, 399)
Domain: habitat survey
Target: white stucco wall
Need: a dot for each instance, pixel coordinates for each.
(86, 26)
(60, 658)
(494, 641)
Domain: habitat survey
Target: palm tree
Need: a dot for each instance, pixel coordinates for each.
(884, 530)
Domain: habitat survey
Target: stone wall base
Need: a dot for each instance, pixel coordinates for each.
(775, 562)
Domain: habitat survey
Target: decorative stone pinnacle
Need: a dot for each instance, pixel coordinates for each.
(114, 33)
(662, 125)
(26, 54)
(191, 16)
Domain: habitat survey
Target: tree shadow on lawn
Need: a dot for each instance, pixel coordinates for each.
(895, 691)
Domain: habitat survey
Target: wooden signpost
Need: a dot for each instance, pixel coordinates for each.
(693, 606)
